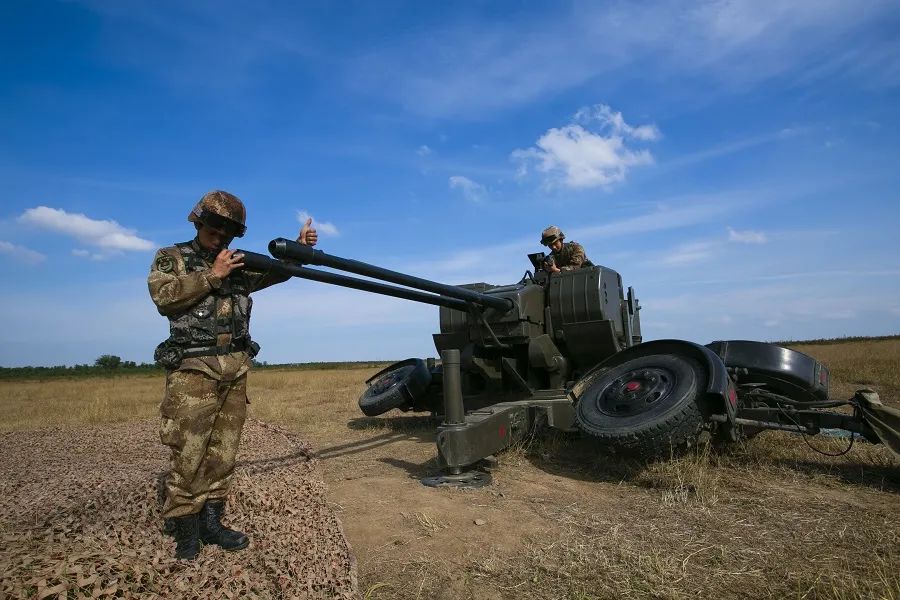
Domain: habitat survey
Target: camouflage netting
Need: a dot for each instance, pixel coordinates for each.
(80, 517)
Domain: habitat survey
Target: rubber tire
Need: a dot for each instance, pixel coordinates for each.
(672, 423)
(403, 392)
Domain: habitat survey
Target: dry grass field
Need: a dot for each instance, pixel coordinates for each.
(769, 518)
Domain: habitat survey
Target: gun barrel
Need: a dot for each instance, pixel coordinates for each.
(260, 262)
(290, 250)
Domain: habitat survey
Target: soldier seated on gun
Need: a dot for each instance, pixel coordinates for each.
(564, 256)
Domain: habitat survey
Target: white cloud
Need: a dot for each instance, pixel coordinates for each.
(21, 253)
(106, 234)
(721, 320)
(576, 157)
(690, 210)
(769, 304)
(614, 122)
(690, 253)
(322, 227)
(82, 253)
(423, 150)
(472, 190)
(734, 146)
(746, 237)
(473, 66)
(509, 256)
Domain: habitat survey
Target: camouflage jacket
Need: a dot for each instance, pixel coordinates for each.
(203, 309)
(570, 257)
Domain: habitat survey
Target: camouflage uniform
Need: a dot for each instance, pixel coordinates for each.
(570, 257)
(206, 394)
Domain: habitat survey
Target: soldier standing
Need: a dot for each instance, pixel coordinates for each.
(564, 256)
(202, 289)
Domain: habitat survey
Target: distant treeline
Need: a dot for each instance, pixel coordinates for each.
(840, 340)
(127, 367)
(112, 366)
(351, 364)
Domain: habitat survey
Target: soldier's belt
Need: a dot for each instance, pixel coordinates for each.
(235, 346)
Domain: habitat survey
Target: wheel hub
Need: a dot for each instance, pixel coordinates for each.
(635, 392)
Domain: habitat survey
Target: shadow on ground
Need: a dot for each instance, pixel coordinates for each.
(880, 477)
(576, 457)
(415, 470)
(386, 431)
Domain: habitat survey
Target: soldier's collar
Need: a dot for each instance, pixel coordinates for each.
(207, 255)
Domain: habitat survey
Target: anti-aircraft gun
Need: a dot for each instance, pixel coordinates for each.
(565, 350)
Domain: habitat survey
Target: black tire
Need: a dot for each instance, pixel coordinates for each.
(399, 386)
(646, 406)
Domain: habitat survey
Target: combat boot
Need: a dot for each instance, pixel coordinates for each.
(187, 536)
(213, 532)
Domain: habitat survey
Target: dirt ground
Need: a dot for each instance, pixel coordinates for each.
(768, 518)
(756, 523)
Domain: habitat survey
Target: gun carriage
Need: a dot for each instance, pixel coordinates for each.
(564, 350)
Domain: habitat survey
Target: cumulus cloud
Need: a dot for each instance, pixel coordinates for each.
(590, 152)
(746, 237)
(322, 227)
(423, 150)
(21, 253)
(472, 190)
(106, 234)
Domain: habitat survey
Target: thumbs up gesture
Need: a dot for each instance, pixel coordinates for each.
(308, 235)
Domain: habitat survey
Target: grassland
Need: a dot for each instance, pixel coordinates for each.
(769, 518)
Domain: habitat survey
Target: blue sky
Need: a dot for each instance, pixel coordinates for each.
(736, 161)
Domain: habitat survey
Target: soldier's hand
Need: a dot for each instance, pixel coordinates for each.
(308, 235)
(226, 262)
(550, 265)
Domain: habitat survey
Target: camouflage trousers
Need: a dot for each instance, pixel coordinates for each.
(202, 419)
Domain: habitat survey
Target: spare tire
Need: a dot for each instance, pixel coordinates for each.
(401, 385)
(646, 406)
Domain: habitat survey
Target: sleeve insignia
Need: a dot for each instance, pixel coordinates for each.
(165, 264)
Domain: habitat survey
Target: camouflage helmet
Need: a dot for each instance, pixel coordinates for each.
(221, 210)
(551, 234)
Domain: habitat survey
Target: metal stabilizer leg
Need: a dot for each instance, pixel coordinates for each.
(454, 414)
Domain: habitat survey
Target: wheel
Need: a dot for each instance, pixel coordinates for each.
(399, 386)
(646, 406)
